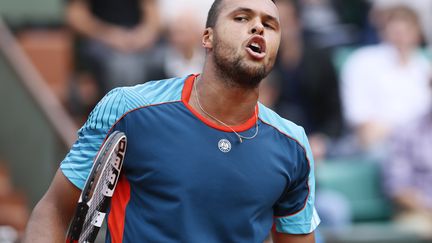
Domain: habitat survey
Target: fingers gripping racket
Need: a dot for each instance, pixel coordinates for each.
(96, 196)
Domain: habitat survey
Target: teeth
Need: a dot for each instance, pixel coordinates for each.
(255, 45)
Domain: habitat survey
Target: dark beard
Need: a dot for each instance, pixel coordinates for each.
(234, 70)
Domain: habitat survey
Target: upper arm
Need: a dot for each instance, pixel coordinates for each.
(289, 238)
(53, 213)
(150, 10)
(51, 216)
(149, 5)
(62, 196)
(105, 116)
(76, 9)
(295, 212)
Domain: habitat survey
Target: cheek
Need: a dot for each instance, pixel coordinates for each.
(273, 44)
(224, 41)
(414, 36)
(229, 33)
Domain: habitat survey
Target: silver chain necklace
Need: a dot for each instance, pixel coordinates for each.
(241, 137)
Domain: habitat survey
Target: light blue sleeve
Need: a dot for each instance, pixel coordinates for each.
(78, 162)
(305, 220)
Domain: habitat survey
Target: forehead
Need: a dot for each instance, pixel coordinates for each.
(266, 7)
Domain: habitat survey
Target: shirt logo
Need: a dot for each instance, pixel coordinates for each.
(224, 145)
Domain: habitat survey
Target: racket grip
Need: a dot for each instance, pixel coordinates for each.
(75, 227)
(69, 240)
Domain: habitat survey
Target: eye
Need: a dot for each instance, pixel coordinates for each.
(268, 26)
(241, 19)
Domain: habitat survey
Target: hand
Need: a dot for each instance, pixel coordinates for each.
(318, 143)
(129, 40)
(371, 134)
(140, 38)
(116, 38)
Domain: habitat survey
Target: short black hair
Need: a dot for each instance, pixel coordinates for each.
(213, 13)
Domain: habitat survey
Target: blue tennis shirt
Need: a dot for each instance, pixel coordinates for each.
(187, 179)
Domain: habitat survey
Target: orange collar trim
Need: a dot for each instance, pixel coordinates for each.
(186, 93)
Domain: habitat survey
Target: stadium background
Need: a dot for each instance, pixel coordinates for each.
(39, 69)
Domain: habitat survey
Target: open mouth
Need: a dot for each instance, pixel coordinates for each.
(257, 47)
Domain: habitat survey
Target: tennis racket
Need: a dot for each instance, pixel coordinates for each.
(96, 196)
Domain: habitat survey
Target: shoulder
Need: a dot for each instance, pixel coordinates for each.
(370, 50)
(301, 218)
(120, 101)
(368, 58)
(153, 92)
(368, 53)
(283, 126)
(423, 58)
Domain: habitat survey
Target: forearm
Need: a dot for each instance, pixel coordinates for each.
(50, 218)
(290, 238)
(82, 21)
(410, 200)
(150, 24)
(46, 224)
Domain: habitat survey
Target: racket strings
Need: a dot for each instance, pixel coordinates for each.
(98, 189)
(97, 201)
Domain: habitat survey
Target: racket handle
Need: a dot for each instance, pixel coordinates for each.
(75, 227)
(69, 240)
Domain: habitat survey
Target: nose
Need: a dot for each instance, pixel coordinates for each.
(257, 28)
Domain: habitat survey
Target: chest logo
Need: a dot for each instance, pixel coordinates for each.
(224, 145)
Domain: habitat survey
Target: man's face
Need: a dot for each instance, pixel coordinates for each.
(246, 40)
(403, 34)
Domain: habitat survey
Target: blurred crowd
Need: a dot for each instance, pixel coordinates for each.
(14, 211)
(357, 75)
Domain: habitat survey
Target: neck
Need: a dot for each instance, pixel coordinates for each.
(404, 55)
(187, 52)
(222, 98)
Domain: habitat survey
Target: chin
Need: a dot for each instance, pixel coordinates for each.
(250, 76)
(240, 70)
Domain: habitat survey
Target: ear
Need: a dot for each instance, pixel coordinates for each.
(207, 38)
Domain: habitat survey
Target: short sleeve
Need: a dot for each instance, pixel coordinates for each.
(295, 211)
(78, 162)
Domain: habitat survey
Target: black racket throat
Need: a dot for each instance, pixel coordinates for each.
(98, 190)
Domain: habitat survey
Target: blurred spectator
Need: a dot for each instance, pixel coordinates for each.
(116, 37)
(83, 95)
(170, 9)
(408, 175)
(334, 209)
(309, 91)
(385, 85)
(185, 54)
(269, 91)
(354, 16)
(423, 8)
(325, 25)
(13, 209)
(182, 54)
(304, 89)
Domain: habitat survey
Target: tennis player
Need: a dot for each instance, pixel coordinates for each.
(205, 162)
